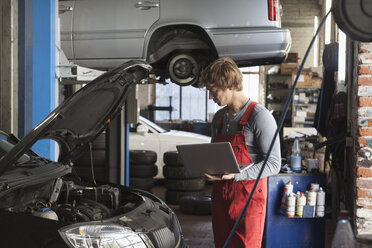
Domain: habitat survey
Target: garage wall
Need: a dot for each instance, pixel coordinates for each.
(299, 19)
(363, 213)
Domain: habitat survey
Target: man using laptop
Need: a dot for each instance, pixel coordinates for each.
(249, 127)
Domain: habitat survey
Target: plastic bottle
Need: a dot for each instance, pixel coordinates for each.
(344, 236)
(288, 189)
(300, 203)
(311, 199)
(320, 202)
(296, 156)
(291, 205)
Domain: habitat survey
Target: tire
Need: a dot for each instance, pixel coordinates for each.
(185, 184)
(175, 172)
(172, 158)
(99, 142)
(196, 205)
(142, 157)
(141, 183)
(99, 158)
(173, 197)
(146, 171)
(183, 69)
(330, 57)
(345, 15)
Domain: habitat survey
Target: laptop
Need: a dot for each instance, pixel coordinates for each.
(212, 158)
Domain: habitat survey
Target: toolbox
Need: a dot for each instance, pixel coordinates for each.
(298, 232)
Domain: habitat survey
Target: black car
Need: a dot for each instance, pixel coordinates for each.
(43, 204)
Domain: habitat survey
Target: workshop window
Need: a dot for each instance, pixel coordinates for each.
(251, 82)
(167, 95)
(190, 103)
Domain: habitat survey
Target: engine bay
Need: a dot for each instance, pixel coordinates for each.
(70, 201)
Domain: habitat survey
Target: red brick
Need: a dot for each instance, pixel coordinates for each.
(365, 80)
(365, 69)
(365, 101)
(364, 172)
(365, 131)
(362, 141)
(364, 193)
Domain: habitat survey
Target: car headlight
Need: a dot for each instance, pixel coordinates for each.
(102, 235)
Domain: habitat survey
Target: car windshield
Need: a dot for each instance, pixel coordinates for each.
(5, 147)
(153, 125)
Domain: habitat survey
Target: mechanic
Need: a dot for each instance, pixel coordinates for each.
(249, 127)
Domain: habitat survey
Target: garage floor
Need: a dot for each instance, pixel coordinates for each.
(197, 230)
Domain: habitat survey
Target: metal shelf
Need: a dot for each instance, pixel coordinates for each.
(304, 104)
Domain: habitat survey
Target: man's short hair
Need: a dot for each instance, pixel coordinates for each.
(223, 73)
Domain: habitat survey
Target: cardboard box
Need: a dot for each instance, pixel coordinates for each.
(306, 79)
(292, 58)
(288, 68)
(299, 118)
(301, 113)
(316, 82)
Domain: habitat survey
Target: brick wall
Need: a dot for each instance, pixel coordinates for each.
(299, 19)
(363, 202)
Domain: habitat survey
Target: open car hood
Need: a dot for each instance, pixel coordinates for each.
(84, 115)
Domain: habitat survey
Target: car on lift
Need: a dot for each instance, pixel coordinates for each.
(178, 38)
(44, 204)
(146, 135)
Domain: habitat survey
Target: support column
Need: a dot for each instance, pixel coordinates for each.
(8, 66)
(44, 89)
(25, 45)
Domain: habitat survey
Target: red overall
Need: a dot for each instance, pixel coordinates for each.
(229, 198)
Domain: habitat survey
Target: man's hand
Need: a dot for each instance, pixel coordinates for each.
(219, 177)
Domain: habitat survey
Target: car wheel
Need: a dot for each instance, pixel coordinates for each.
(143, 171)
(183, 69)
(172, 158)
(173, 197)
(197, 205)
(185, 184)
(142, 157)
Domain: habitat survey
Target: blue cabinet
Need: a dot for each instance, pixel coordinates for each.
(281, 231)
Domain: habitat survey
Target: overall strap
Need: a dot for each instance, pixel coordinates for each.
(247, 114)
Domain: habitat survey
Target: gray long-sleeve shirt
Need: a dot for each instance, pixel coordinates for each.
(259, 131)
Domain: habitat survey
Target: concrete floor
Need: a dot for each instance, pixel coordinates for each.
(197, 230)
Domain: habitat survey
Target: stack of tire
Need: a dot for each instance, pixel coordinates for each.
(98, 154)
(196, 205)
(177, 181)
(142, 169)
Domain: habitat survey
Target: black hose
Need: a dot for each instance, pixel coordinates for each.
(281, 121)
